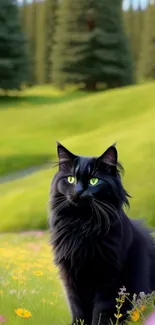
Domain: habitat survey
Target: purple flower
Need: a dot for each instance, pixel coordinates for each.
(150, 320)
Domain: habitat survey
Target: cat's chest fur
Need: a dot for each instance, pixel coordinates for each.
(80, 246)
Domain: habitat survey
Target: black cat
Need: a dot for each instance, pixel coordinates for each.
(98, 249)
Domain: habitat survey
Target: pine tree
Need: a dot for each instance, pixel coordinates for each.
(40, 43)
(138, 35)
(24, 14)
(13, 59)
(129, 20)
(91, 44)
(120, 66)
(50, 27)
(134, 23)
(146, 68)
(33, 36)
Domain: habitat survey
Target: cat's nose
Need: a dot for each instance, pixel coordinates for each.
(79, 189)
(86, 194)
(81, 192)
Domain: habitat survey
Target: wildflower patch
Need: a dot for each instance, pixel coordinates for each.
(31, 291)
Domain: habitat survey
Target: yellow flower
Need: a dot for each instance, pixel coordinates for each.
(118, 315)
(14, 277)
(17, 271)
(51, 303)
(44, 300)
(135, 315)
(1, 292)
(142, 308)
(121, 300)
(38, 273)
(24, 313)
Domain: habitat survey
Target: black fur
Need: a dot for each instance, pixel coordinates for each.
(98, 249)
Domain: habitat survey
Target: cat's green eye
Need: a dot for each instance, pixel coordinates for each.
(93, 181)
(71, 179)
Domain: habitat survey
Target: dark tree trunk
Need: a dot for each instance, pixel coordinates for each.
(90, 85)
(113, 84)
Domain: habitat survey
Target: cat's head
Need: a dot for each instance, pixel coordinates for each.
(83, 180)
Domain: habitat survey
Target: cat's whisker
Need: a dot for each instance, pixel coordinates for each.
(56, 202)
(89, 222)
(99, 218)
(57, 209)
(105, 215)
(109, 207)
(112, 210)
(98, 215)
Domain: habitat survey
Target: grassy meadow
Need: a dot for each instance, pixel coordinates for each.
(30, 289)
(29, 124)
(87, 124)
(29, 281)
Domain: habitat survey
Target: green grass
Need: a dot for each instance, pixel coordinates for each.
(21, 287)
(86, 126)
(29, 128)
(29, 124)
(29, 280)
(23, 203)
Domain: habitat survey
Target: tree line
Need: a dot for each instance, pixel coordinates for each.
(83, 42)
(80, 42)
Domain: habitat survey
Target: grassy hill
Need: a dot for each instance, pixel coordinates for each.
(28, 125)
(87, 125)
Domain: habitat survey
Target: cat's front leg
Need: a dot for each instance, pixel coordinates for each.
(79, 302)
(103, 311)
(139, 268)
(81, 313)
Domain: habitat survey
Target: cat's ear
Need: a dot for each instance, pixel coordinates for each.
(110, 155)
(110, 158)
(64, 155)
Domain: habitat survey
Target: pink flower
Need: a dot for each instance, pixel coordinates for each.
(2, 319)
(39, 233)
(150, 320)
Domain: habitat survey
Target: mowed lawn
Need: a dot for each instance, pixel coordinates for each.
(86, 124)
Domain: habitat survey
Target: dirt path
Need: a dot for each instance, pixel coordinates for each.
(23, 173)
